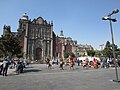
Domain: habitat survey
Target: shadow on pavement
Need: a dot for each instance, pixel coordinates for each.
(31, 70)
(24, 71)
(29, 67)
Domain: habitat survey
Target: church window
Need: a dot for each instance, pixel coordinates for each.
(24, 26)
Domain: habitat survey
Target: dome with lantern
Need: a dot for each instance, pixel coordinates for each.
(25, 16)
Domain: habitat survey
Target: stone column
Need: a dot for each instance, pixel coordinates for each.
(42, 50)
(51, 43)
(25, 42)
(32, 51)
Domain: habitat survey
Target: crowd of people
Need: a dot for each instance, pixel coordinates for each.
(7, 63)
(85, 63)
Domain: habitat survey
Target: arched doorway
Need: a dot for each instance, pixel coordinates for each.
(39, 54)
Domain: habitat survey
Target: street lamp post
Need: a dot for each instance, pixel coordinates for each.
(108, 17)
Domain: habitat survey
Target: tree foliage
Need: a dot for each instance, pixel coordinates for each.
(108, 50)
(90, 53)
(67, 54)
(98, 53)
(10, 45)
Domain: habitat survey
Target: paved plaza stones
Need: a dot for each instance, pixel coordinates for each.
(38, 77)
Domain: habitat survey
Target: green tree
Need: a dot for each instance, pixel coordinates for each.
(98, 53)
(108, 50)
(1, 53)
(117, 51)
(67, 54)
(108, 45)
(90, 53)
(10, 45)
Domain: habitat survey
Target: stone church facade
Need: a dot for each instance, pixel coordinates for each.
(37, 38)
(39, 41)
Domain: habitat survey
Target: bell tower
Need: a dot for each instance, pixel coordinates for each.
(24, 28)
(6, 30)
(61, 33)
(23, 22)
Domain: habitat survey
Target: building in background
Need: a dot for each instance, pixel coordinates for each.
(67, 44)
(40, 42)
(36, 37)
(64, 44)
(82, 49)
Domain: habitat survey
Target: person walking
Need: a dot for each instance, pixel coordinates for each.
(61, 64)
(72, 63)
(5, 67)
(49, 63)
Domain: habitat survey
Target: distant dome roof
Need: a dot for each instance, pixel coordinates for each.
(61, 33)
(25, 16)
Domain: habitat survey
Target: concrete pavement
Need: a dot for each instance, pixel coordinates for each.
(38, 77)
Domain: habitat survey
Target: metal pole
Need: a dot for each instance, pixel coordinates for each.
(116, 71)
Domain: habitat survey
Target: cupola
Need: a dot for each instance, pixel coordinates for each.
(25, 17)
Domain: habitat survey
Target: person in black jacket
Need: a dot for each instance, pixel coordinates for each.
(5, 67)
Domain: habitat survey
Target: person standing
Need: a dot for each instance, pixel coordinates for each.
(95, 64)
(84, 64)
(5, 67)
(78, 61)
